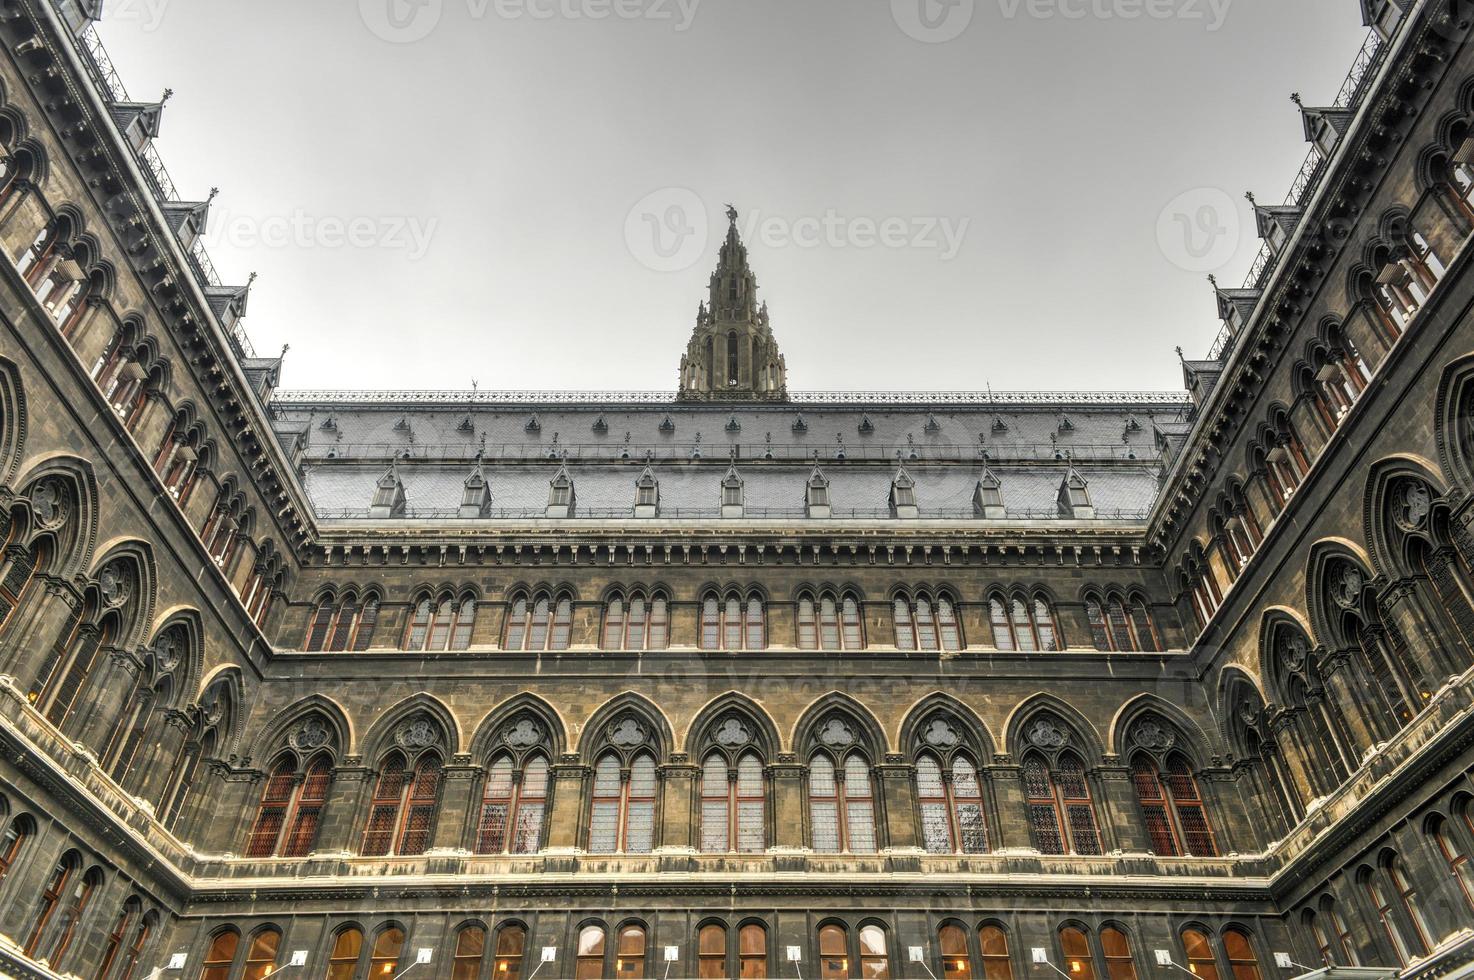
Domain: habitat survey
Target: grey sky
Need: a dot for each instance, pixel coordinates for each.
(521, 143)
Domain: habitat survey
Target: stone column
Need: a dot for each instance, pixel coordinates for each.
(1317, 761)
(1117, 810)
(565, 824)
(1281, 726)
(1256, 495)
(1309, 425)
(685, 624)
(1461, 529)
(1009, 823)
(786, 782)
(1423, 634)
(46, 606)
(677, 805)
(202, 499)
(111, 689)
(93, 332)
(234, 804)
(1351, 704)
(342, 817)
(897, 799)
(459, 779)
(1233, 829)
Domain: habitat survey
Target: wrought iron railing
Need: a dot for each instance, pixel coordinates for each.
(718, 452)
(446, 397)
(105, 75)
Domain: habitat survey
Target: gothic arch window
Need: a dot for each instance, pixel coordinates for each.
(162, 672)
(261, 954)
(1167, 792)
(1023, 622)
(441, 622)
(1295, 669)
(1395, 903)
(539, 621)
(841, 800)
(1452, 841)
(636, 621)
(1198, 950)
(1074, 948)
(733, 621)
(220, 955)
(13, 842)
(177, 462)
(1333, 936)
(210, 721)
(73, 906)
(1251, 738)
(1121, 622)
(625, 790)
(53, 894)
(1116, 945)
(589, 960)
(733, 789)
(19, 564)
(346, 951)
(344, 623)
(222, 530)
(1414, 518)
(1455, 179)
(511, 947)
(407, 791)
(1396, 685)
(827, 621)
(292, 801)
(926, 621)
(118, 935)
(470, 952)
(515, 794)
(388, 947)
(1056, 790)
(993, 944)
(949, 791)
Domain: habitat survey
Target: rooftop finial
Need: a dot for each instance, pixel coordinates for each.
(732, 214)
(1213, 280)
(168, 94)
(214, 193)
(1295, 98)
(1249, 196)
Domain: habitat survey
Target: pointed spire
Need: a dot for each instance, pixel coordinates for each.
(389, 499)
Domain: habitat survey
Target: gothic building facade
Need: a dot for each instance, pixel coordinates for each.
(738, 680)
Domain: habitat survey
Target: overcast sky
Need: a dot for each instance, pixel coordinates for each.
(1022, 193)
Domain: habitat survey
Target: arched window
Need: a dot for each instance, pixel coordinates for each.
(993, 943)
(639, 623)
(1199, 952)
(74, 906)
(732, 809)
(511, 947)
(952, 946)
(513, 805)
(402, 813)
(116, 936)
(470, 951)
(629, 956)
(752, 952)
(12, 842)
(1242, 962)
(53, 892)
(347, 947)
(733, 622)
(1024, 623)
(1061, 813)
(1074, 947)
(1116, 945)
(220, 957)
(1337, 949)
(1406, 897)
(841, 805)
(1451, 847)
(951, 810)
(443, 623)
(134, 951)
(623, 814)
(1120, 624)
(926, 622)
(875, 960)
(589, 963)
(1171, 807)
(261, 954)
(834, 953)
(384, 958)
(271, 815)
(539, 622)
(829, 623)
(711, 952)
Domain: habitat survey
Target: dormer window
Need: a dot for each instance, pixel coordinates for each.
(903, 495)
(647, 495)
(816, 496)
(560, 494)
(732, 494)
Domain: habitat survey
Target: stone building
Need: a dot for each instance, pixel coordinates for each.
(737, 680)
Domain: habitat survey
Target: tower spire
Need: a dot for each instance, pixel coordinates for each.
(732, 353)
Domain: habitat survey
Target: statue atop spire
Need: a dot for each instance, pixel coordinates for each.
(732, 353)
